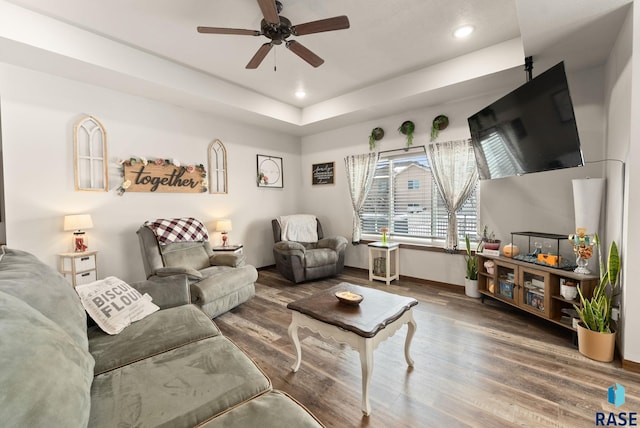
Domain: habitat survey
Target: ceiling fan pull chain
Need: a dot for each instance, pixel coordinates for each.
(275, 60)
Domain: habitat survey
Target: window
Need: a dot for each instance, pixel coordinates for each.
(404, 197)
(90, 152)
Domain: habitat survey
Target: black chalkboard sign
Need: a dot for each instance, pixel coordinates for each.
(323, 173)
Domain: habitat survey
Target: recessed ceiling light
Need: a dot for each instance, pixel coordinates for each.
(301, 94)
(463, 31)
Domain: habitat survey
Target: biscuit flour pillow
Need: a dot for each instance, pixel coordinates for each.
(113, 304)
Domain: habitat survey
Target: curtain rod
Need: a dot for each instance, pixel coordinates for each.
(400, 151)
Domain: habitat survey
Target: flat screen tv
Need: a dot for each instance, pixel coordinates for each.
(531, 129)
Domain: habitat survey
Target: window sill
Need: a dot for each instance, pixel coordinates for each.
(433, 246)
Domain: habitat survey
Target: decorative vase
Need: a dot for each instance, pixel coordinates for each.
(595, 345)
(384, 238)
(569, 291)
(582, 266)
(471, 288)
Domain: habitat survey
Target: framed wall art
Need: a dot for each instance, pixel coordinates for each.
(161, 176)
(217, 167)
(90, 155)
(323, 173)
(269, 171)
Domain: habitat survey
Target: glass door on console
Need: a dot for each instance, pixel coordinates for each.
(535, 290)
(506, 288)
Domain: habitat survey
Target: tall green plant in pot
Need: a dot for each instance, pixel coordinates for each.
(471, 278)
(596, 336)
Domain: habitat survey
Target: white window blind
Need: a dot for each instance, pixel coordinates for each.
(405, 199)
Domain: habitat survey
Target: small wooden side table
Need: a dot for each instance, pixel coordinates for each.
(384, 261)
(79, 268)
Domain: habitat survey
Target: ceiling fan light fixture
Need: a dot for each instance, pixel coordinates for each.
(278, 29)
(464, 31)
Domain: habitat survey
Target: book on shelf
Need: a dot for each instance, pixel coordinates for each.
(494, 253)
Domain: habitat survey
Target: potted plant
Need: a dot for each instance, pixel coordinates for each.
(407, 128)
(439, 123)
(596, 336)
(489, 240)
(376, 135)
(471, 278)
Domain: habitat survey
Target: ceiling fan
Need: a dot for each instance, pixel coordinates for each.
(278, 29)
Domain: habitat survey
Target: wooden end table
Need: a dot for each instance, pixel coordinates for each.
(362, 327)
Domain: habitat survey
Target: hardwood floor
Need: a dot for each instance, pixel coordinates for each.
(476, 364)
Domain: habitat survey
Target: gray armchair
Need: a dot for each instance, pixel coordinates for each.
(217, 282)
(304, 261)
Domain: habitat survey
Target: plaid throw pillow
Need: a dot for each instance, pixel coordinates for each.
(178, 230)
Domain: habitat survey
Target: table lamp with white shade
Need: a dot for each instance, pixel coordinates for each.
(78, 223)
(224, 227)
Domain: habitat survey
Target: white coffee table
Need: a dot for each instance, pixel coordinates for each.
(362, 327)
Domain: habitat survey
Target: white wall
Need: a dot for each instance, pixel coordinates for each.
(541, 202)
(38, 114)
(623, 108)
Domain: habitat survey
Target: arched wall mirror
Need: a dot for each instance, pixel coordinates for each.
(90, 155)
(217, 167)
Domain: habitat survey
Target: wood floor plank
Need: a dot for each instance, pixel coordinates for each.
(476, 364)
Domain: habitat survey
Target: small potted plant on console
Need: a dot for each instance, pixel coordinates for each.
(489, 241)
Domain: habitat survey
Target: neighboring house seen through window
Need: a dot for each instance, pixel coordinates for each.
(405, 198)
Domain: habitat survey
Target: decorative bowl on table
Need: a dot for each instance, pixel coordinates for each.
(349, 298)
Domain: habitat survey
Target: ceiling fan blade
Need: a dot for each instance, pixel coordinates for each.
(304, 53)
(329, 24)
(269, 11)
(259, 56)
(238, 31)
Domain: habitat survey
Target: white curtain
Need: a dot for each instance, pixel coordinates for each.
(360, 172)
(453, 164)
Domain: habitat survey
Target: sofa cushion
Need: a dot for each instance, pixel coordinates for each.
(186, 254)
(222, 304)
(113, 304)
(271, 410)
(221, 281)
(159, 332)
(179, 388)
(46, 376)
(24, 276)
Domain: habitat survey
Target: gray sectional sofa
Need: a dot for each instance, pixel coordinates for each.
(172, 369)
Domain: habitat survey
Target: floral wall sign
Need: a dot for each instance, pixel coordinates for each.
(162, 175)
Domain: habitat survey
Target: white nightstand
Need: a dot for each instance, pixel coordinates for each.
(382, 265)
(79, 268)
(237, 249)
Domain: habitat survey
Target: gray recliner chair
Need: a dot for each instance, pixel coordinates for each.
(218, 282)
(304, 261)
